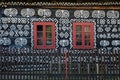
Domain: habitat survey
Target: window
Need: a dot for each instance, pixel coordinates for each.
(44, 35)
(83, 35)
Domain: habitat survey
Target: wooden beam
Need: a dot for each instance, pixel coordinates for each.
(85, 7)
(53, 0)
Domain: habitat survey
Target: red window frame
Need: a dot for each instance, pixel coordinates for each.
(44, 46)
(83, 46)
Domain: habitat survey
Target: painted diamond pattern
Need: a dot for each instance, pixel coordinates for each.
(19, 27)
(21, 33)
(27, 27)
(1, 32)
(11, 33)
(66, 35)
(16, 33)
(6, 33)
(64, 28)
(5, 26)
(0, 27)
(13, 27)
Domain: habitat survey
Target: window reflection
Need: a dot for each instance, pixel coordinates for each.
(87, 42)
(79, 42)
(39, 34)
(87, 35)
(39, 42)
(49, 42)
(87, 28)
(48, 28)
(78, 28)
(78, 35)
(49, 35)
(40, 28)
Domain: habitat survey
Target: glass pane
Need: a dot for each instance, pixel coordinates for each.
(49, 42)
(79, 42)
(87, 42)
(39, 34)
(39, 42)
(87, 28)
(78, 35)
(87, 35)
(39, 27)
(49, 35)
(48, 28)
(78, 28)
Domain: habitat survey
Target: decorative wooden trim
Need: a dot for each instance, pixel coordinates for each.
(66, 5)
(86, 7)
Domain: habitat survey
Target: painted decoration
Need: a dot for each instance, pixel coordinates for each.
(107, 29)
(5, 41)
(11, 33)
(104, 43)
(41, 12)
(26, 33)
(81, 14)
(5, 26)
(17, 25)
(27, 12)
(113, 21)
(11, 12)
(44, 12)
(64, 43)
(112, 14)
(115, 42)
(100, 29)
(62, 13)
(1, 41)
(102, 21)
(27, 27)
(20, 41)
(98, 14)
(12, 27)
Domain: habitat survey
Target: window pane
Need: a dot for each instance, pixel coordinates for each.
(78, 28)
(49, 42)
(79, 42)
(49, 35)
(48, 28)
(87, 42)
(87, 35)
(78, 35)
(39, 42)
(39, 34)
(87, 28)
(39, 27)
